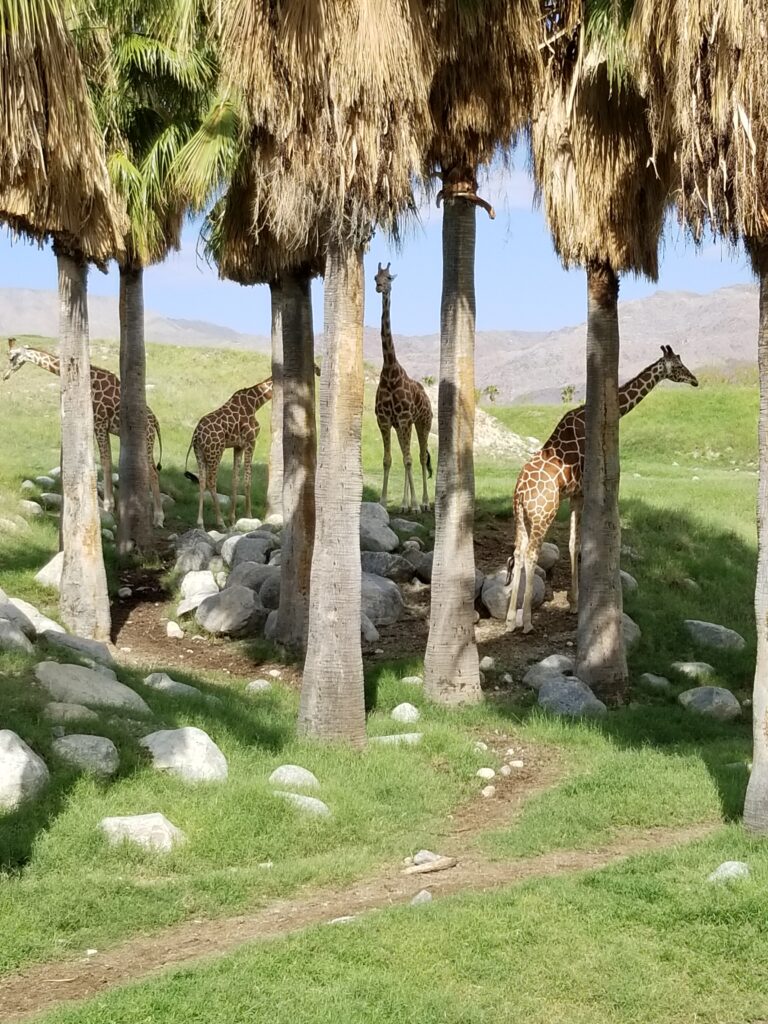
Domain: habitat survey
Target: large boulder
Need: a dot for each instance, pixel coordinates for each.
(234, 611)
(194, 551)
(89, 648)
(375, 536)
(189, 753)
(152, 831)
(549, 554)
(30, 508)
(12, 639)
(269, 592)
(712, 701)
(95, 754)
(199, 581)
(10, 613)
(189, 604)
(631, 631)
(373, 512)
(538, 675)
(74, 684)
(161, 682)
(61, 712)
(22, 772)
(699, 671)
(496, 594)
(709, 634)
(252, 575)
(628, 582)
(381, 599)
(571, 697)
(40, 622)
(50, 574)
(406, 526)
(308, 804)
(392, 567)
(250, 548)
(422, 563)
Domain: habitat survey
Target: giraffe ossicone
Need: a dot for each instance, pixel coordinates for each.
(402, 404)
(555, 472)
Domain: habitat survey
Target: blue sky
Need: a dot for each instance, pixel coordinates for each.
(520, 283)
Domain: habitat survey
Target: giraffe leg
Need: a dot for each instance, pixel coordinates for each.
(574, 544)
(105, 453)
(212, 481)
(531, 557)
(202, 484)
(154, 480)
(521, 546)
(422, 432)
(248, 470)
(386, 438)
(404, 437)
(236, 460)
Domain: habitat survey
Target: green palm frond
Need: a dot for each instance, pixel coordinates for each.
(606, 23)
(212, 153)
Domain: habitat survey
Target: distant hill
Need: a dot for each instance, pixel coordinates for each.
(717, 330)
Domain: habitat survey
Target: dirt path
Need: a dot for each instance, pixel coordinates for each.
(45, 986)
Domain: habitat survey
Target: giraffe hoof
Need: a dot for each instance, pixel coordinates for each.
(573, 608)
(528, 628)
(159, 521)
(426, 508)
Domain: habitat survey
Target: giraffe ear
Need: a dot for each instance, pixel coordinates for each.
(388, 266)
(379, 270)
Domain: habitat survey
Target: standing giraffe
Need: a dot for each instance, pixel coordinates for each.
(401, 403)
(105, 395)
(555, 472)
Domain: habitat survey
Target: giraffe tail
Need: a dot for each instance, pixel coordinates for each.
(160, 442)
(429, 465)
(187, 474)
(510, 567)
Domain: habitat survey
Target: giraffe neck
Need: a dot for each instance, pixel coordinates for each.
(635, 390)
(43, 359)
(259, 394)
(387, 344)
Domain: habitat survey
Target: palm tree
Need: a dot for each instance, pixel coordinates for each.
(54, 185)
(708, 78)
(487, 62)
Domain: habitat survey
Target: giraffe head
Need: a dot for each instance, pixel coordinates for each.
(675, 369)
(16, 355)
(384, 279)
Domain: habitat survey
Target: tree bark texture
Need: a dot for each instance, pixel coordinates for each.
(756, 804)
(601, 661)
(299, 457)
(134, 523)
(451, 670)
(275, 481)
(84, 602)
(332, 702)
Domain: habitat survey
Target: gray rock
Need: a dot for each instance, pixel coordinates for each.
(310, 804)
(96, 754)
(107, 519)
(162, 683)
(30, 508)
(406, 713)
(628, 582)
(50, 574)
(414, 544)
(421, 562)
(412, 680)
(97, 667)
(40, 622)
(194, 551)
(258, 686)
(562, 662)
(696, 670)
(488, 664)
(234, 611)
(199, 581)
(59, 711)
(27, 487)
(377, 536)
(270, 626)
(250, 548)
(710, 634)
(269, 592)
(275, 520)
(367, 629)
(46, 482)
(425, 896)
(108, 536)
(190, 604)
(691, 585)
(485, 773)
(91, 648)
(548, 555)
(50, 500)
(729, 870)
(570, 696)
(374, 512)
(382, 602)
(539, 674)
(276, 557)
(152, 831)
(406, 526)
(22, 773)
(247, 525)
(712, 701)
(653, 682)
(12, 639)
(426, 857)
(174, 631)
(631, 631)
(74, 684)
(10, 613)
(252, 575)
(124, 593)
(398, 739)
(166, 501)
(496, 595)
(292, 776)
(392, 567)
(189, 753)
(55, 473)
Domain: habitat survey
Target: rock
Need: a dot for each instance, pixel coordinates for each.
(258, 686)
(190, 604)
(174, 631)
(194, 552)
(40, 622)
(569, 696)
(310, 804)
(628, 582)
(234, 611)
(152, 831)
(107, 519)
(425, 896)
(405, 713)
(293, 776)
(270, 626)
(12, 639)
(199, 581)
(377, 536)
(269, 592)
(709, 634)
(488, 791)
(496, 595)
(55, 472)
(538, 675)
(91, 648)
(382, 602)
(108, 536)
(221, 579)
(59, 711)
(124, 593)
(691, 585)
(30, 508)
(22, 773)
(516, 764)
(488, 664)
(217, 538)
(392, 567)
(374, 512)
(480, 746)
(729, 870)
(247, 525)
(224, 500)
(712, 701)
(162, 683)
(189, 753)
(50, 500)
(166, 501)
(13, 615)
(50, 574)
(697, 670)
(505, 770)
(344, 919)
(631, 631)
(653, 682)
(548, 555)
(421, 562)
(74, 684)
(276, 557)
(485, 773)
(367, 629)
(413, 680)
(406, 738)
(274, 519)
(425, 857)
(414, 544)
(561, 662)
(27, 487)
(95, 754)
(98, 667)
(46, 482)
(249, 548)
(252, 575)
(406, 526)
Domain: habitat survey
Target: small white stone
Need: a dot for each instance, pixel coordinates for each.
(174, 631)
(517, 764)
(488, 664)
(274, 673)
(152, 831)
(125, 592)
(510, 752)
(294, 777)
(480, 746)
(505, 770)
(425, 896)
(396, 739)
(187, 752)
(728, 870)
(425, 857)
(310, 804)
(258, 686)
(485, 773)
(412, 680)
(488, 791)
(405, 713)
(343, 920)
(507, 679)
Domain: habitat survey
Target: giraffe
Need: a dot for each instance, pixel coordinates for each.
(401, 403)
(555, 472)
(105, 395)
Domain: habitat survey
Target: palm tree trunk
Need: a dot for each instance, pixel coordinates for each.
(299, 454)
(275, 482)
(451, 671)
(601, 661)
(134, 525)
(756, 804)
(332, 703)
(84, 602)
